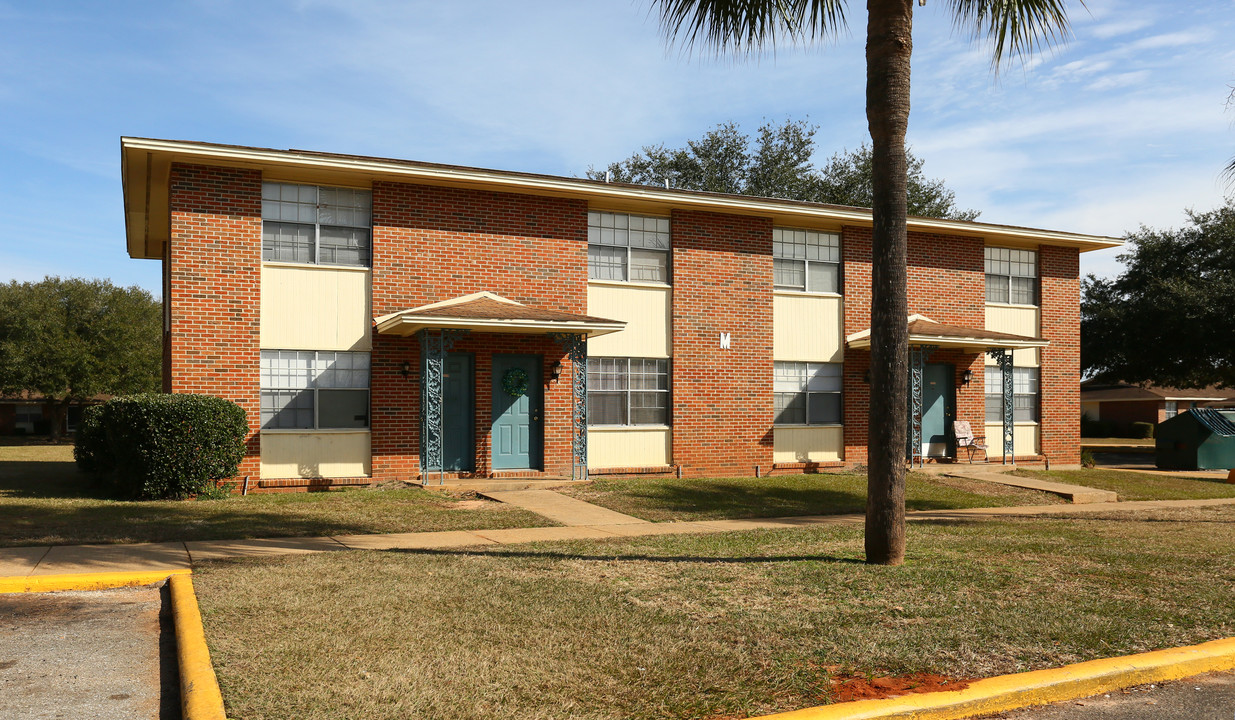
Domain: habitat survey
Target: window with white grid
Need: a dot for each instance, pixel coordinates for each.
(1024, 394)
(627, 247)
(1011, 276)
(628, 391)
(807, 393)
(319, 225)
(806, 260)
(307, 390)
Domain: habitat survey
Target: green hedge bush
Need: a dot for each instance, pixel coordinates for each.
(1142, 430)
(163, 446)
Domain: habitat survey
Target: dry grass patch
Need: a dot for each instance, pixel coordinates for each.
(712, 626)
(674, 499)
(44, 500)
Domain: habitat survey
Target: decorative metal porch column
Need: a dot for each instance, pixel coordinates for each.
(1004, 359)
(576, 349)
(918, 355)
(433, 349)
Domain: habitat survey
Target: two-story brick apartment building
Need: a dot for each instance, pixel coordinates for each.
(383, 319)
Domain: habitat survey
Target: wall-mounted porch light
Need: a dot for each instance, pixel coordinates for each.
(405, 369)
(555, 372)
(966, 377)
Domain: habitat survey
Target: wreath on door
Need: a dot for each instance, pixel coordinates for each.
(514, 382)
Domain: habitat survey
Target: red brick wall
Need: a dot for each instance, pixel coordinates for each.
(722, 399)
(432, 244)
(946, 283)
(1059, 270)
(1126, 413)
(214, 262)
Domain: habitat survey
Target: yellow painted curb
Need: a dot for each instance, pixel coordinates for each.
(84, 581)
(200, 698)
(1009, 692)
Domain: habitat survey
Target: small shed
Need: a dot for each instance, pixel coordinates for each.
(1200, 439)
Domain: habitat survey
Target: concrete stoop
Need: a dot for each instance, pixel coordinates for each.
(1077, 494)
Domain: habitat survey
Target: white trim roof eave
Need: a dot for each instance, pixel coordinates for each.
(182, 151)
(400, 324)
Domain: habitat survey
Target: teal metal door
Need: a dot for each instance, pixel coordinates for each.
(938, 409)
(458, 437)
(517, 426)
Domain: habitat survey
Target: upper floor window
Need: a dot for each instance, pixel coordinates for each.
(806, 260)
(1011, 276)
(627, 391)
(1024, 394)
(627, 247)
(807, 393)
(319, 225)
(307, 390)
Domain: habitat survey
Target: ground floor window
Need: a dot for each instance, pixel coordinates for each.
(308, 390)
(1024, 395)
(807, 393)
(1172, 408)
(627, 391)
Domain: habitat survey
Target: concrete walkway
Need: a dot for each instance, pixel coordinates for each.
(1074, 493)
(561, 508)
(74, 559)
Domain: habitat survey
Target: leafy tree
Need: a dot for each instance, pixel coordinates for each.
(1013, 27)
(71, 339)
(1167, 318)
(777, 163)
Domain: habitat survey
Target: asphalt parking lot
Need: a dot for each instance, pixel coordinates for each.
(103, 655)
(1204, 697)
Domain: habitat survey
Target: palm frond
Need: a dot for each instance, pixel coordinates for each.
(747, 26)
(1016, 28)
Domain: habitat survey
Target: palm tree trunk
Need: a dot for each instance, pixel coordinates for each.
(888, 47)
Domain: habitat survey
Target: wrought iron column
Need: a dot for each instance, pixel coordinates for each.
(576, 349)
(433, 349)
(918, 355)
(1004, 359)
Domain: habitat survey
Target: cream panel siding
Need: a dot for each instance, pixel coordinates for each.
(1017, 321)
(807, 328)
(629, 447)
(1025, 439)
(308, 308)
(647, 312)
(1090, 409)
(315, 454)
(807, 444)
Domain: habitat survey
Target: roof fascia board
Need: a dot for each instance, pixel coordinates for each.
(255, 157)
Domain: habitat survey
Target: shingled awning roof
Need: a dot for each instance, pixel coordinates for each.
(487, 312)
(924, 331)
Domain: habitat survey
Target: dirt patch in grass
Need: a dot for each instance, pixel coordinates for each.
(44, 500)
(846, 688)
(729, 625)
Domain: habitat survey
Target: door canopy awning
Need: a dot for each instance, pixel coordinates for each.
(487, 312)
(924, 331)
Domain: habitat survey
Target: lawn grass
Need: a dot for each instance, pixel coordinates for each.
(44, 500)
(1139, 486)
(673, 499)
(715, 626)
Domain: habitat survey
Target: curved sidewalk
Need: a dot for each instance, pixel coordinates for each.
(20, 563)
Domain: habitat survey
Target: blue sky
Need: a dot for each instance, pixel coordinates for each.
(1123, 126)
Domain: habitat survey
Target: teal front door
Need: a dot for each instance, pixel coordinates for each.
(938, 409)
(518, 405)
(458, 438)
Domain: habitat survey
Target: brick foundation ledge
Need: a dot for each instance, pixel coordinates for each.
(645, 470)
(293, 484)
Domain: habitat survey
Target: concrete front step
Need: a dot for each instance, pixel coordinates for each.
(1077, 494)
(484, 485)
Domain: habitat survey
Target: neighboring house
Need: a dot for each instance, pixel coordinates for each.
(1123, 403)
(388, 319)
(30, 413)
